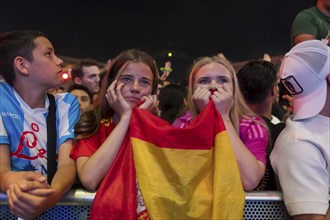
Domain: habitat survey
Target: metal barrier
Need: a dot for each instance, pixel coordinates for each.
(76, 204)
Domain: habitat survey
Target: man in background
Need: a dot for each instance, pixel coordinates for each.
(312, 23)
(301, 156)
(258, 83)
(87, 73)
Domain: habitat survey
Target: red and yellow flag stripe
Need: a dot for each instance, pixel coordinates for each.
(186, 173)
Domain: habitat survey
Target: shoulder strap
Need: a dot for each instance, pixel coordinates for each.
(51, 139)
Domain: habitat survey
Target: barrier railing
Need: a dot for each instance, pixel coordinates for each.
(76, 204)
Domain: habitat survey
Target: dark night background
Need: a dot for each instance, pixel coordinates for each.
(241, 29)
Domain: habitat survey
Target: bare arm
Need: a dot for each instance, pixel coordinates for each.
(167, 70)
(8, 177)
(24, 189)
(65, 174)
(91, 170)
(29, 199)
(303, 37)
(251, 170)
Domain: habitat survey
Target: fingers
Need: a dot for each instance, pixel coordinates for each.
(114, 90)
(168, 64)
(33, 185)
(201, 98)
(267, 57)
(201, 93)
(166, 71)
(108, 65)
(223, 100)
(116, 100)
(26, 204)
(114, 93)
(290, 99)
(23, 195)
(20, 206)
(42, 192)
(118, 91)
(150, 103)
(32, 176)
(111, 95)
(222, 92)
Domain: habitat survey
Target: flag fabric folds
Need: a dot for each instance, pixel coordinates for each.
(116, 196)
(183, 173)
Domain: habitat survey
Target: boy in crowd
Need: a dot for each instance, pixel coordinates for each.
(84, 96)
(30, 68)
(87, 73)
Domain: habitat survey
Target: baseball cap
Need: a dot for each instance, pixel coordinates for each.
(303, 72)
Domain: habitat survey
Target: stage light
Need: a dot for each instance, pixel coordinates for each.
(169, 54)
(65, 76)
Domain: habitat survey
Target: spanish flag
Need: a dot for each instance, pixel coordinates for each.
(183, 173)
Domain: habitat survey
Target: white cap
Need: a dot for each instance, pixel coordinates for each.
(303, 72)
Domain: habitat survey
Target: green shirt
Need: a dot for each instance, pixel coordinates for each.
(310, 21)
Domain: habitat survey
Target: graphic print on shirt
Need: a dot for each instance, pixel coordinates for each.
(28, 140)
(24, 129)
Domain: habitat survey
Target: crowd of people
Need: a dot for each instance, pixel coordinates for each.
(93, 116)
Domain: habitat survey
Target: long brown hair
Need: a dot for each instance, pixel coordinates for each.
(90, 121)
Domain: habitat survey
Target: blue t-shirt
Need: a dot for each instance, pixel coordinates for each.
(25, 131)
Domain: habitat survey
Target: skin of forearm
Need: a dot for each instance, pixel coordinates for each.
(250, 170)
(4, 167)
(4, 181)
(66, 173)
(62, 182)
(303, 37)
(94, 168)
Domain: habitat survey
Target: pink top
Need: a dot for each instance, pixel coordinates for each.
(253, 135)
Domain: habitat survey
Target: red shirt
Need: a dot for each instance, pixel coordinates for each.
(86, 147)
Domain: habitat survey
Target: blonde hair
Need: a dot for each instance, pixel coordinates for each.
(239, 108)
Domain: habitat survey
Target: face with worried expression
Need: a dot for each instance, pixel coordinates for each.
(138, 79)
(212, 75)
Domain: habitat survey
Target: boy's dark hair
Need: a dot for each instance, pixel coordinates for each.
(77, 70)
(256, 79)
(13, 44)
(81, 87)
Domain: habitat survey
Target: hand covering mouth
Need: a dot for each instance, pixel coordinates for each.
(212, 91)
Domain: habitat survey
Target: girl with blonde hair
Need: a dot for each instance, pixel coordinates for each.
(213, 78)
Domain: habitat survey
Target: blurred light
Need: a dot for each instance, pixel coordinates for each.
(65, 75)
(169, 54)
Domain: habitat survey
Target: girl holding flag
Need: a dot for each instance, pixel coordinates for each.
(132, 78)
(214, 78)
